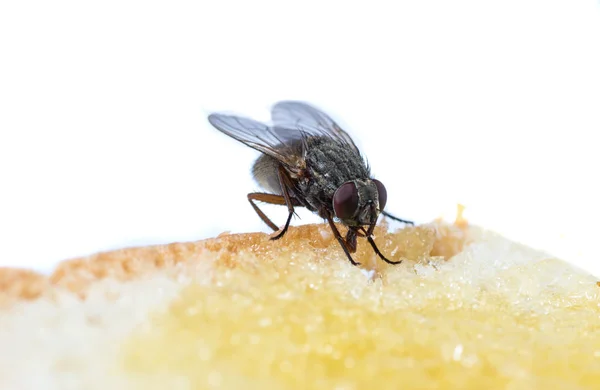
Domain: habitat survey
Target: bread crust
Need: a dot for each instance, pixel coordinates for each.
(21, 284)
(76, 275)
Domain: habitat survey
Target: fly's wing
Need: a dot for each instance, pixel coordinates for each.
(258, 136)
(293, 115)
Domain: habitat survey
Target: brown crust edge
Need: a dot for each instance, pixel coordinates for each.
(76, 275)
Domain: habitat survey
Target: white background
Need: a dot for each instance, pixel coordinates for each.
(104, 141)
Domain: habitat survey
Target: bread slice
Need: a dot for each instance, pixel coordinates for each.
(467, 309)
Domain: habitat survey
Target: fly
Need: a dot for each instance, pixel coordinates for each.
(308, 161)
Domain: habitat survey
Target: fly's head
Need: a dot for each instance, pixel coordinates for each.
(359, 202)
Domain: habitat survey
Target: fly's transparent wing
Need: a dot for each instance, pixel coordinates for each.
(257, 135)
(294, 115)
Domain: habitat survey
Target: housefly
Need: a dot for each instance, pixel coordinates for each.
(309, 161)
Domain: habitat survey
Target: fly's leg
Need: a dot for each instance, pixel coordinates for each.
(390, 216)
(369, 235)
(270, 199)
(282, 200)
(370, 239)
(286, 184)
(266, 198)
(342, 242)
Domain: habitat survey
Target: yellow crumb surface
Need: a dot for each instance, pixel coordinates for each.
(278, 316)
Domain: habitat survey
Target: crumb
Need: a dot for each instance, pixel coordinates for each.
(460, 220)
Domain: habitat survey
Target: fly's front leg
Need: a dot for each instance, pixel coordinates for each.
(369, 235)
(390, 216)
(342, 242)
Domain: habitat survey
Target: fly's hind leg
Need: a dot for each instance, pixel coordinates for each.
(266, 198)
(284, 199)
(286, 186)
(271, 199)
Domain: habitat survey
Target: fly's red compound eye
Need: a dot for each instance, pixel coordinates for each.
(345, 201)
(382, 194)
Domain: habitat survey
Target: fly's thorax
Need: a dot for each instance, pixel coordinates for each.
(338, 162)
(330, 164)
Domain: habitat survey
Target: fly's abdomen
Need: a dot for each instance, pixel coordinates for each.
(265, 172)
